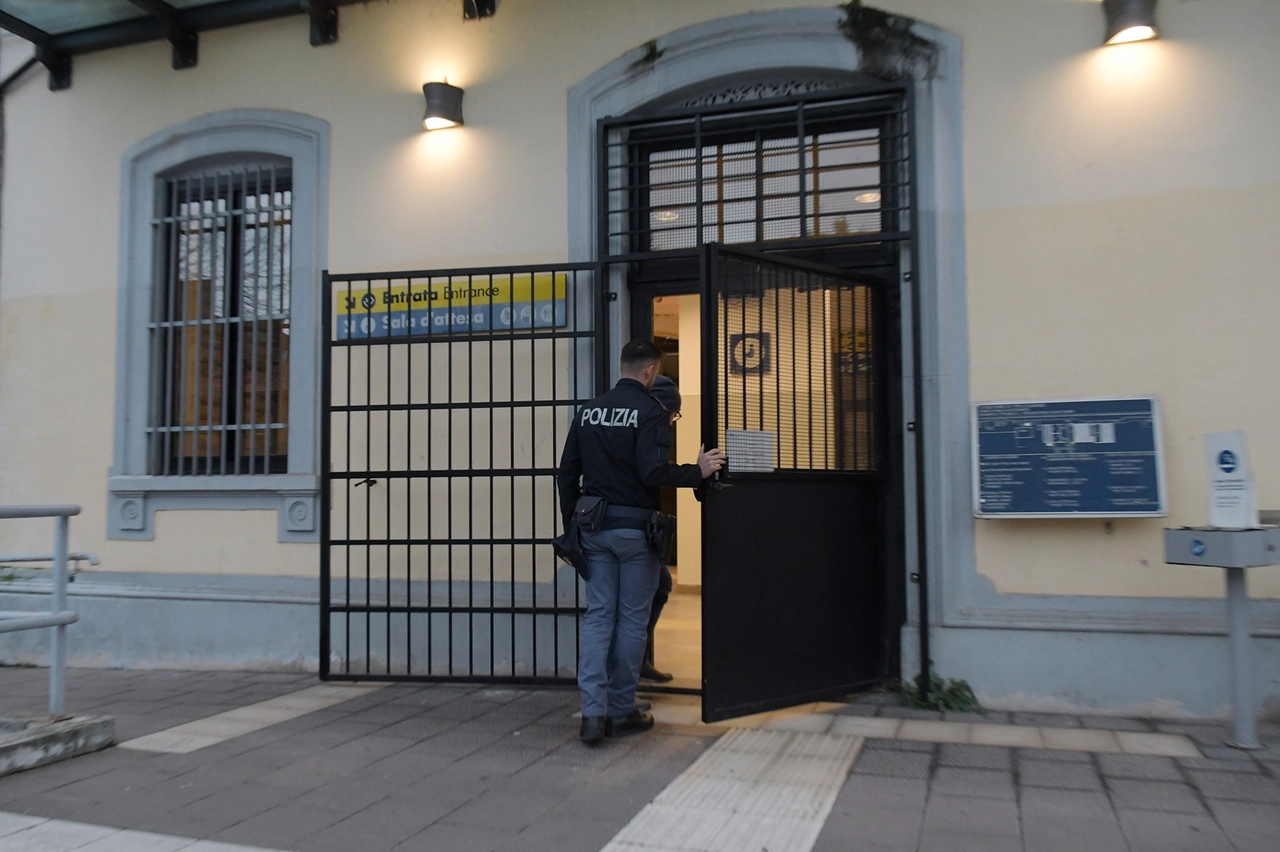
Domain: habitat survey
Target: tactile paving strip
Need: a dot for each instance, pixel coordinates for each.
(754, 789)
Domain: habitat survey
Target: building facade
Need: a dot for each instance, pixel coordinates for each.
(1054, 202)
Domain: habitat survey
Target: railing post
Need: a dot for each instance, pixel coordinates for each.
(58, 655)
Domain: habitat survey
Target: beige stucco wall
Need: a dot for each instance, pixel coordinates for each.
(1120, 210)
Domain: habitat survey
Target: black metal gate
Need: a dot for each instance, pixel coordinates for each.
(446, 398)
(794, 385)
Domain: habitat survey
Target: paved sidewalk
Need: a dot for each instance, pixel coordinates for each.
(445, 767)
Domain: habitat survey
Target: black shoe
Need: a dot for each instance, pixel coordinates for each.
(593, 729)
(632, 723)
(649, 673)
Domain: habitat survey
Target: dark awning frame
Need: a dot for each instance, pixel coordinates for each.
(182, 26)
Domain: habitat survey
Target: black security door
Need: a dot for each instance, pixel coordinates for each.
(793, 390)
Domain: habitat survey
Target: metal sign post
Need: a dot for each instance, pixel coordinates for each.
(1233, 550)
(1234, 542)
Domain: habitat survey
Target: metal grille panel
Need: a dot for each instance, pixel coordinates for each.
(220, 322)
(797, 384)
(448, 399)
(826, 169)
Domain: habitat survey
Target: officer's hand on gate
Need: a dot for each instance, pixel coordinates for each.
(710, 460)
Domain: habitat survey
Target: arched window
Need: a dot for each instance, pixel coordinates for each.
(221, 253)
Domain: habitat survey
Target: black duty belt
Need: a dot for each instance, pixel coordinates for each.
(627, 518)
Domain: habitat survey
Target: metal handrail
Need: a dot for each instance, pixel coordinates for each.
(58, 616)
(91, 558)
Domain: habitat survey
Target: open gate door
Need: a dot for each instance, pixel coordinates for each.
(793, 390)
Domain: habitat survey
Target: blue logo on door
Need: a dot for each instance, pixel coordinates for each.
(1227, 461)
(1198, 547)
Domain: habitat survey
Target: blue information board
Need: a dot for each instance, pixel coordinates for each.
(1076, 458)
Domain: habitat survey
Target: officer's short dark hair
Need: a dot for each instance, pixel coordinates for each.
(639, 354)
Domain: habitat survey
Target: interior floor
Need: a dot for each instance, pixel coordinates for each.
(678, 640)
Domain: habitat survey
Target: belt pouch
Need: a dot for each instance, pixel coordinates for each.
(590, 511)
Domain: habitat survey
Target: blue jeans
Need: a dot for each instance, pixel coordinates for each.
(624, 576)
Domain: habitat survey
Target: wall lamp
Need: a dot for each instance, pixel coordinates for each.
(1130, 20)
(444, 106)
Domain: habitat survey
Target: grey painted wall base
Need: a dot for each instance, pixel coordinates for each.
(196, 622)
(175, 621)
(1161, 675)
(239, 622)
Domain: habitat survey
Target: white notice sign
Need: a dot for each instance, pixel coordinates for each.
(1232, 501)
(749, 451)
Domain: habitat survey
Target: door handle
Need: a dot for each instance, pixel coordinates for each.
(718, 485)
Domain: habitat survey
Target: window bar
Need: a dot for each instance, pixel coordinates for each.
(817, 185)
(172, 265)
(800, 155)
(697, 177)
(253, 312)
(232, 248)
(759, 186)
(193, 251)
(267, 419)
(215, 257)
(720, 211)
(193, 316)
(179, 318)
(236, 306)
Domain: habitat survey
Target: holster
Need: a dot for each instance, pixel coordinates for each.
(661, 532)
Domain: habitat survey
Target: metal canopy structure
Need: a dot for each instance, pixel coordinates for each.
(61, 29)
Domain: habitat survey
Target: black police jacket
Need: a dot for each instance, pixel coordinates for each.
(619, 446)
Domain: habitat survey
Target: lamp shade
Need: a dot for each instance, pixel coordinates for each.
(1130, 20)
(444, 106)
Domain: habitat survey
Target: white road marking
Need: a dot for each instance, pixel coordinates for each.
(212, 730)
(19, 833)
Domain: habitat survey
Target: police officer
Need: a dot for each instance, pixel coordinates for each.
(618, 448)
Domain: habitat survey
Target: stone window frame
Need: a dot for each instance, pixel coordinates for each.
(134, 495)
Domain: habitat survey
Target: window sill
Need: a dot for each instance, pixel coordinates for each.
(134, 500)
(216, 484)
